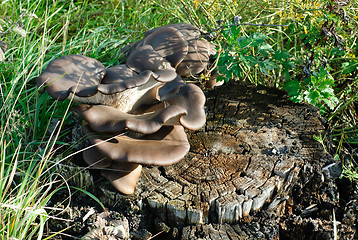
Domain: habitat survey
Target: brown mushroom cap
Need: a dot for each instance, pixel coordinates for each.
(146, 58)
(95, 159)
(73, 73)
(123, 176)
(197, 59)
(82, 76)
(181, 45)
(169, 43)
(188, 31)
(126, 90)
(164, 147)
(116, 81)
(107, 119)
(191, 98)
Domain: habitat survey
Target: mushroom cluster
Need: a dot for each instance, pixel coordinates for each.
(135, 113)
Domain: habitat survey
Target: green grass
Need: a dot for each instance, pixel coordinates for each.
(33, 33)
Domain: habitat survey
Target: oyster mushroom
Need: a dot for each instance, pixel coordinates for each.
(135, 113)
(181, 45)
(71, 74)
(153, 136)
(118, 86)
(123, 176)
(119, 157)
(169, 43)
(191, 98)
(106, 119)
(165, 147)
(199, 50)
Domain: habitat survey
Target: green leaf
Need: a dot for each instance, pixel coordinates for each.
(249, 61)
(244, 42)
(293, 87)
(331, 103)
(281, 55)
(349, 67)
(265, 47)
(266, 66)
(312, 97)
(257, 38)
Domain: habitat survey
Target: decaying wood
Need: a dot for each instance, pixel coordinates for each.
(253, 172)
(246, 158)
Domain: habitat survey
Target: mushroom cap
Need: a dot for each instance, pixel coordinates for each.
(89, 81)
(73, 73)
(115, 82)
(194, 58)
(197, 59)
(169, 43)
(191, 98)
(146, 58)
(105, 119)
(125, 89)
(188, 31)
(164, 147)
(180, 44)
(95, 159)
(123, 176)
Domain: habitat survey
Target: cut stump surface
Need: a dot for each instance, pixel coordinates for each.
(246, 158)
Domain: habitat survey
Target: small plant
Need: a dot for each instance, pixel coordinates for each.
(326, 55)
(350, 171)
(243, 55)
(316, 89)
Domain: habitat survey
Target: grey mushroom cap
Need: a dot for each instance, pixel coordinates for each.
(188, 31)
(89, 82)
(73, 73)
(169, 43)
(164, 147)
(95, 159)
(198, 58)
(181, 45)
(146, 58)
(123, 176)
(191, 98)
(126, 90)
(105, 119)
(115, 82)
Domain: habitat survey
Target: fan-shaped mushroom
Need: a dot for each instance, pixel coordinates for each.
(181, 45)
(71, 74)
(123, 176)
(136, 112)
(166, 146)
(90, 82)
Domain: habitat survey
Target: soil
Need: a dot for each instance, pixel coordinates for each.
(253, 172)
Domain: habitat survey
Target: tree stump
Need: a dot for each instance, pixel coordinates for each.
(253, 172)
(246, 158)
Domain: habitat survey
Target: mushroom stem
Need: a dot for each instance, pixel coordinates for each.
(123, 176)
(125, 101)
